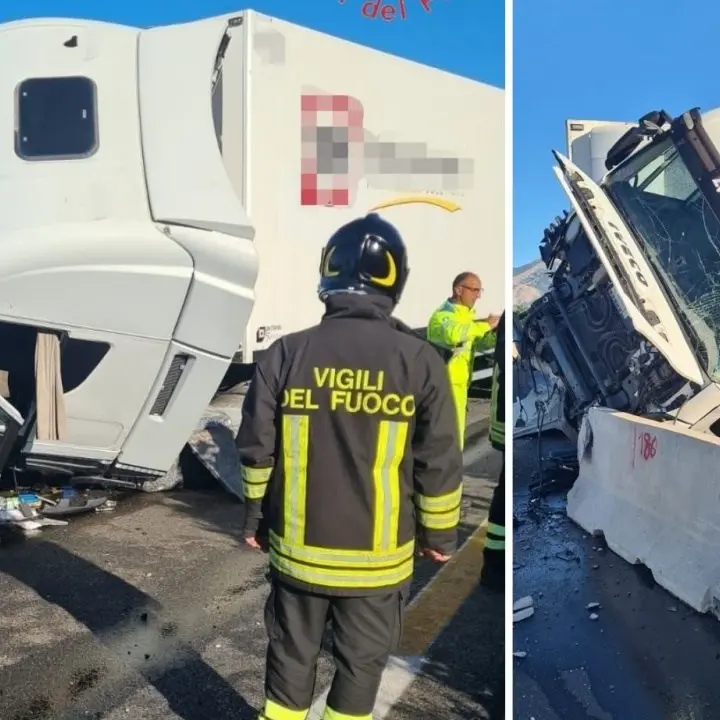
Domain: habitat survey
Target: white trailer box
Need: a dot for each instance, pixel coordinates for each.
(317, 131)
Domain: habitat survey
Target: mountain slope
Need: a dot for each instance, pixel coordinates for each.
(530, 281)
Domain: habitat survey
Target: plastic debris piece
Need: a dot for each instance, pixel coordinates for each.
(520, 654)
(107, 507)
(52, 522)
(523, 614)
(592, 606)
(522, 603)
(75, 506)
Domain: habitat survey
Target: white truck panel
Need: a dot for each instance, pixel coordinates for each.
(419, 109)
(153, 442)
(108, 183)
(588, 142)
(187, 182)
(111, 276)
(218, 305)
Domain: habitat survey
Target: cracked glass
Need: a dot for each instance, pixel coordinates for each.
(680, 234)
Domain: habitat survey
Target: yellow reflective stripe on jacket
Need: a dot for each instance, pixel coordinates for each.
(384, 563)
(255, 482)
(331, 558)
(441, 512)
(296, 432)
(356, 577)
(392, 438)
(331, 714)
(274, 711)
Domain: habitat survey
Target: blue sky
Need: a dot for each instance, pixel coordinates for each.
(609, 60)
(466, 37)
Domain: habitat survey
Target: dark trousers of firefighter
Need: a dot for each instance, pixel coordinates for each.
(494, 556)
(365, 631)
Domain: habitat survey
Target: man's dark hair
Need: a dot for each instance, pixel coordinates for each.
(461, 278)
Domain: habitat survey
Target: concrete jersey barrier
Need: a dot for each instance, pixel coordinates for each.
(653, 489)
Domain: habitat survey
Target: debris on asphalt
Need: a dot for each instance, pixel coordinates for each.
(523, 608)
(592, 606)
(594, 616)
(523, 614)
(520, 654)
(107, 506)
(522, 603)
(30, 511)
(74, 505)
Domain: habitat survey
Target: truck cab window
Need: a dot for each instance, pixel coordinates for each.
(56, 118)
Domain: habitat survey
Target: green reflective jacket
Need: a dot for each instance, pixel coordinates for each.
(454, 328)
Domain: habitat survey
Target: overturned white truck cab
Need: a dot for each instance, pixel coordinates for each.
(164, 205)
(127, 264)
(632, 319)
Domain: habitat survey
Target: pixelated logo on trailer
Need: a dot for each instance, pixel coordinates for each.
(338, 152)
(332, 140)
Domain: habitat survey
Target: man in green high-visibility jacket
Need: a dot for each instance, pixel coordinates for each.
(454, 329)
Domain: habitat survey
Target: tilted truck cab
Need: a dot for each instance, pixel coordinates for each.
(632, 317)
(127, 263)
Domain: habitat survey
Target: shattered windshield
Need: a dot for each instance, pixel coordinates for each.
(680, 233)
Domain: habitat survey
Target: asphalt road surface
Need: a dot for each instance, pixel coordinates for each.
(155, 612)
(646, 657)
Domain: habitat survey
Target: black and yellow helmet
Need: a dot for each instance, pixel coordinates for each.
(366, 255)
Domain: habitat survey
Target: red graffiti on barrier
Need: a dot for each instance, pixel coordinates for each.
(389, 10)
(648, 445)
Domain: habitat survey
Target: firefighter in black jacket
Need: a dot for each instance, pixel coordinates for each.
(493, 572)
(349, 448)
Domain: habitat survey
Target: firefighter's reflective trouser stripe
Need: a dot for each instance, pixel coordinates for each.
(365, 631)
(497, 426)
(495, 537)
(386, 562)
(495, 542)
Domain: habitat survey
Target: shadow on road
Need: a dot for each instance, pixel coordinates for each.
(465, 674)
(119, 616)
